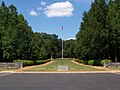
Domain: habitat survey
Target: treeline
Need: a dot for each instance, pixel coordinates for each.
(18, 41)
(99, 35)
(98, 38)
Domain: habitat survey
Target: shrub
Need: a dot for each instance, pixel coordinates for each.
(80, 61)
(97, 62)
(41, 61)
(91, 62)
(30, 62)
(25, 62)
(85, 61)
(105, 61)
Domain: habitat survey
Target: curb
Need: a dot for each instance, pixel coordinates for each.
(70, 72)
(62, 72)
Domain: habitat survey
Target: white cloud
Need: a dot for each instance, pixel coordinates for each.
(39, 8)
(82, 0)
(85, 1)
(59, 9)
(33, 13)
(71, 38)
(43, 3)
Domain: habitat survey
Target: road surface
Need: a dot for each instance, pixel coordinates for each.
(59, 81)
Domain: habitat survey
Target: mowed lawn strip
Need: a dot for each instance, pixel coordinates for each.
(115, 69)
(63, 62)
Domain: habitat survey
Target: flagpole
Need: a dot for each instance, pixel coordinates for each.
(62, 44)
(61, 28)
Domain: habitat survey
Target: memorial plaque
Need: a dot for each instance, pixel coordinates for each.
(62, 68)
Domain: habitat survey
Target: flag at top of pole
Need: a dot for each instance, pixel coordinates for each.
(61, 28)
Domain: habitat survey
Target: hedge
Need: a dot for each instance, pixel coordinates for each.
(80, 61)
(105, 61)
(94, 62)
(97, 62)
(91, 62)
(31, 62)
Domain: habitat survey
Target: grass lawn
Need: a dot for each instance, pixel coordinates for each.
(63, 62)
(115, 69)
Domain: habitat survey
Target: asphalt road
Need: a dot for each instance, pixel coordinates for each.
(59, 81)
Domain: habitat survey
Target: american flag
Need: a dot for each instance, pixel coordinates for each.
(61, 28)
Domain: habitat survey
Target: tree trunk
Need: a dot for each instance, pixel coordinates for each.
(115, 55)
(51, 56)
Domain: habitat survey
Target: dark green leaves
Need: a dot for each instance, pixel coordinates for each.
(99, 35)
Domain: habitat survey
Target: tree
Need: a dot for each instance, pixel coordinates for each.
(38, 49)
(8, 30)
(23, 38)
(113, 20)
(17, 40)
(51, 43)
(69, 46)
(92, 37)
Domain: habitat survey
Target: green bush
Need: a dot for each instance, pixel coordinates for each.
(25, 62)
(41, 61)
(105, 61)
(97, 62)
(30, 62)
(80, 61)
(91, 62)
(85, 61)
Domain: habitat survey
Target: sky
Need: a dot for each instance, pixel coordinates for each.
(50, 15)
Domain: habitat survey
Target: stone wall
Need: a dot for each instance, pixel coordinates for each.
(112, 65)
(11, 65)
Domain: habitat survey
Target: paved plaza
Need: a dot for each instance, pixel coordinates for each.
(59, 81)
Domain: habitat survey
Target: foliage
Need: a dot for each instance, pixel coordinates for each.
(98, 38)
(97, 62)
(69, 48)
(91, 62)
(94, 62)
(15, 34)
(18, 41)
(30, 62)
(99, 35)
(80, 61)
(105, 61)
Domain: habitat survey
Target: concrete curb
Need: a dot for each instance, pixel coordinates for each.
(63, 72)
(71, 72)
(7, 71)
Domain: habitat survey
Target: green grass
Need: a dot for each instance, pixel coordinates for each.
(63, 62)
(115, 68)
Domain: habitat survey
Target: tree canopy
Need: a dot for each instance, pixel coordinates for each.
(18, 41)
(99, 35)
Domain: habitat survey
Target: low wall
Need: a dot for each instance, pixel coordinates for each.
(11, 65)
(112, 65)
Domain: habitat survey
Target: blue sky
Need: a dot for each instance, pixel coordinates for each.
(49, 15)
